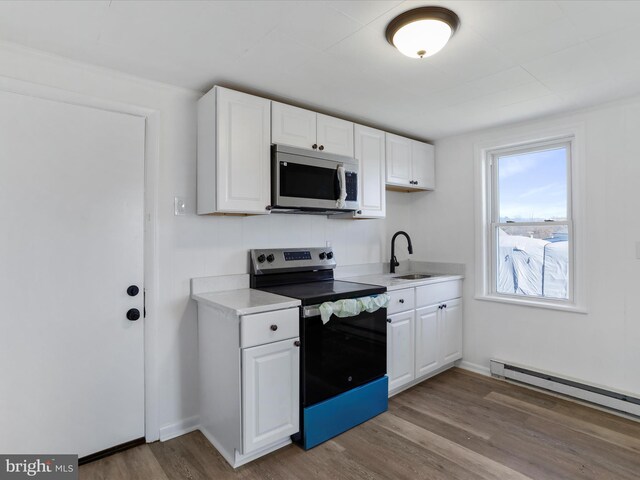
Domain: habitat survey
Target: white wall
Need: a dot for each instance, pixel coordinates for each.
(602, 346)
(191, 246)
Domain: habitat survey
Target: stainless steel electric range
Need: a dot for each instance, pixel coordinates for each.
(343, 362)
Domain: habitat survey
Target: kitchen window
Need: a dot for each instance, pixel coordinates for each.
(529, 224)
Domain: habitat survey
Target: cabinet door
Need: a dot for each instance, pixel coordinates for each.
(243, 155)
(451, 328)
(335, 135)
(270, 393)
(370, 153)
(398, 160)
(423, 165)
(293, 126)
(427, 340)
(400, 362)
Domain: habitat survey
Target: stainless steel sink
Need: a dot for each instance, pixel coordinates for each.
(413, 276)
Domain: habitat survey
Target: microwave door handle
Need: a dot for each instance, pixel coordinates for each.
(342, 183)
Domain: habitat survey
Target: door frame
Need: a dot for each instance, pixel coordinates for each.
(150, 245)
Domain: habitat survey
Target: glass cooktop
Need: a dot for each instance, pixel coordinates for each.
(313, 293)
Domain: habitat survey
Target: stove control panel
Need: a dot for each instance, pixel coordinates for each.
(274, 260)
(298, 255)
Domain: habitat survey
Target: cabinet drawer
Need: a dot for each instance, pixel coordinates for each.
(401, 300)
(438, 292)
(268, 327)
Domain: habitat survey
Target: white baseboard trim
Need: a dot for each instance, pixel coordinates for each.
(418, 380)
(228, 456)
(174, 430)
(474, 367)
(236, 459)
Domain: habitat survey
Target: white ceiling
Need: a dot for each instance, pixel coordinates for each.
(509, 61)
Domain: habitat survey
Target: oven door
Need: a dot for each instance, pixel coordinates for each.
(311, 183)
(342, 354)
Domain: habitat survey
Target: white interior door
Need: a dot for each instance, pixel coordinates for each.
(71, 242)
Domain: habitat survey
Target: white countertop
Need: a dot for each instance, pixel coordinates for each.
(246, 301)
(388, 280)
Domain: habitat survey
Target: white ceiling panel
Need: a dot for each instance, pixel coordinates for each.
(595, 18)
(364, 12)
(499, 20)
(317, 25)
(552, 37)
(569, 69)
(509, 61)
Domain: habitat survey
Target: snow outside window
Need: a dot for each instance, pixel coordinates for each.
(530, 212)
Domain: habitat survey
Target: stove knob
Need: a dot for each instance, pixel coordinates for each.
(270, 258)
(329, 255)
(322, 255)
(261, 258)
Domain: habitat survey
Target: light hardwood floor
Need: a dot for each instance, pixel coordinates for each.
(457, 425)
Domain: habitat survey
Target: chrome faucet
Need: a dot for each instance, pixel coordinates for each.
(394, 261)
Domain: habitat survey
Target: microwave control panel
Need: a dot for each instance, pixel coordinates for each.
(352, 186)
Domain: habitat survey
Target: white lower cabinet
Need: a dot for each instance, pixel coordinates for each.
(270, 393)
(400, 361)
(451, 330)
(249, 381)
(424, 332)
(427, 340)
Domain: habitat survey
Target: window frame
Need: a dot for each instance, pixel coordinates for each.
(488, 217)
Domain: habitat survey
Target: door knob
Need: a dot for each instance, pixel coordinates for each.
(274, 327)
(133, 314)
(296, 343)
(133, 290)
(321, 147)
(388, 320)
(314, 146)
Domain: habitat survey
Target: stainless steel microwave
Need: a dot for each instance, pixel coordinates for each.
(313, 181)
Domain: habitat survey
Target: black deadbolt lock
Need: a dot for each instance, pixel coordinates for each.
(133, 290)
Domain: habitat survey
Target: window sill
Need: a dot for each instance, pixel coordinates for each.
(565, 307)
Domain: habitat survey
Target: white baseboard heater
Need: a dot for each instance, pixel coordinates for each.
(622, 402)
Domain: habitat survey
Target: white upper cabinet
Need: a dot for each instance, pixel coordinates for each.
(423, 165)
(371, 155)
(398, 159)
(293, 126)
(335, 135)
(410, 164)
(234, 133)
(302, 128)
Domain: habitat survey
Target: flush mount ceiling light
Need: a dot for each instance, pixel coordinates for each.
(423, 31)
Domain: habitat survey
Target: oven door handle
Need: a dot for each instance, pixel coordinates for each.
(311, 311)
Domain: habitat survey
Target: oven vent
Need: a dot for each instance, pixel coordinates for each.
(618, 401)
